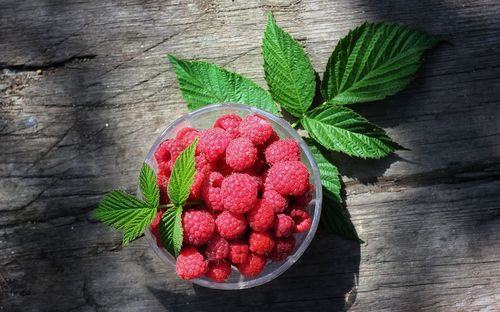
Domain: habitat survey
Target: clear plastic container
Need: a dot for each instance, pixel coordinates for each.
(204, 118)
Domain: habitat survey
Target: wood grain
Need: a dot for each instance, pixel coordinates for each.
(85, 88)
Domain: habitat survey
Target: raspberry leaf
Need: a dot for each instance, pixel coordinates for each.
(182, 177)
(171, 230)
(148, 186)
(330, 177)
(288, 70)
(125, 212)
(340, 129)
(374, 61)
(202, 83)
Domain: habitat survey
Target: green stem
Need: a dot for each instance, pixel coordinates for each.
(188, 204)
(296, 123)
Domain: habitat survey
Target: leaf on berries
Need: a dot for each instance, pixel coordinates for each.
(171, 230)
(148, 186)
(182, 176)
(202, 83)
(374, 61)
(330, 178)
(288, 70)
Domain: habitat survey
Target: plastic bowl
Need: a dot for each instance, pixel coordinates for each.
(204, 118)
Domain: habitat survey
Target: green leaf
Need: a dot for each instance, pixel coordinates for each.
(125, 212)
(148, 186)
(182, 176)
(171, 230)
(202, 83)
(340, 129)
(288, 70)
(374, 61)
(330, 178)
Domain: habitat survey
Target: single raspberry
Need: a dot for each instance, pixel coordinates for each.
(256, 128)
(217, 249)
(186, 136)
(162, 182)
(304, 199)
(198, 226)
(288, 178)
(241, 154)
(213, 143)
(239, 192)
(275, 200)
(219, 271)
(211, 191)
(190, 263)
(282, 150)
(284, 226)
(238, 252)
(230, 225)
(168, 151)
(202, 164)
(282, 249)
(253, 266)
(230, 123)
(155, 226)
(258, 179)
(260, 242)
(203, 168)
(261, 217)
(301, 218)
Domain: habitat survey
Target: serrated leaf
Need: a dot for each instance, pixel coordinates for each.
(148, 186)
(182, 176)
(340, 129)
(202, 83)
(288, 70)
(374, 61)
(171, 230)
(125, 212)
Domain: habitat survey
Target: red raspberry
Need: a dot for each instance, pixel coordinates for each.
(261, 242)
(282, 150)
(212, 193)
(230, 226)
(288, 178)
(155, 227)
(275, 200)
(198, 226)
(284, 226)
(162, 182)
(241, 154)
(301, 218)
(168, 151)
(256, 128)
(213, 143)
(202, 164)
(217, 249)
(261, 217)
(238, 252)
(230, 123)
(253, 266)
(239, 192)
(186, 136)
(203, 168)
(219, 271)
(190, 263)
(282, 249)
(304, 199)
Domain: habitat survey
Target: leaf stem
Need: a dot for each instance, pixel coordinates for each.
(296, 123)
(188, 204)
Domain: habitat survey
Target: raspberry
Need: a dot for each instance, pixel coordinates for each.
(217, 249)
(282, 249)
(202, 164)
(211, 191)
(230, 226)
(203, 168)
(256, 128)
(275, 200)
(261, 217)
(168, 151)
(230, 123)
(239, 192)
(241, 154)
(284, 226)
(288, 178)
(301, 218)
(190, 263)
(219, 271)
(238, 252)
(198, 226)
(253, 266)
(213, 143)
(155, 227)
(162, 182)
(261, 242)
(304, 199)
(282, 150)
(186, 136)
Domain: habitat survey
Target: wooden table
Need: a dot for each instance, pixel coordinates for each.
(86, 88)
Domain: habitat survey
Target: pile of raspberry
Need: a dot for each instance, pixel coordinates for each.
(255, 192)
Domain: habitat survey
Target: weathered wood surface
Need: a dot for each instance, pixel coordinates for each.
(81, 125)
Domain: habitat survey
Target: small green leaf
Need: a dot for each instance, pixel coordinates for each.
(171, 230)
(148, 186)
(330, 177)
(287, 69)
(340, 129)
(182, 176)
(125, 212)
(202, 83)
(374, 61)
